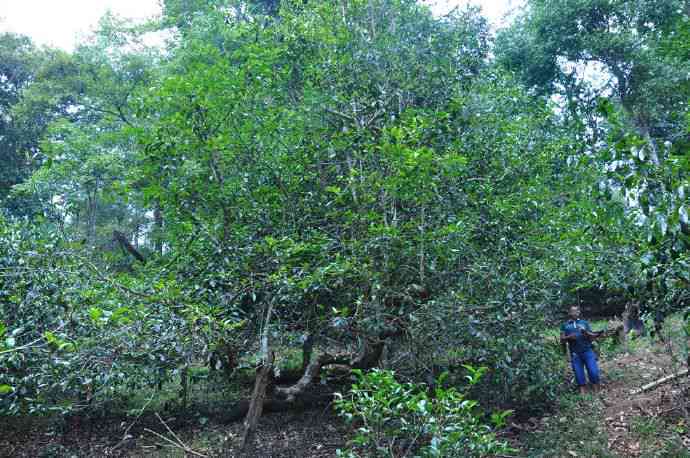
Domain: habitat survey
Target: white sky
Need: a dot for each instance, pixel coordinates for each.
(495, 10)
(61, 22)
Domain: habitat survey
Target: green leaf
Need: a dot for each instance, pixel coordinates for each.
(50, 337)
(95, 313)
(6, 389)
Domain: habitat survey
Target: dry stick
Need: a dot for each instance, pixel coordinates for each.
(660, 381)
(115, 284)
(32, 344)
(179, 444)
(124, 436)
(174, 444)
(171, 431)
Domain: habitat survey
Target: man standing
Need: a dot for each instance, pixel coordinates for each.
(579, 336)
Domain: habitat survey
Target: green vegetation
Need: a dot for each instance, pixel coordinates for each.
(328, 186)
(396, 419)
(575, 428)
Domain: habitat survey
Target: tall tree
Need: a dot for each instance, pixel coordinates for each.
(639, 116)
(19, 60)
(88, 178)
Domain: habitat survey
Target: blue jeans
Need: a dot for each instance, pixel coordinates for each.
(581, 360)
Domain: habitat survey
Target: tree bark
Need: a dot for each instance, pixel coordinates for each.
(256, 404)
(158, 222)
(623, 333)
(124, 243)
(295, 396)
(370, 354)
(310, 374)
(307, 350)
(264, 377)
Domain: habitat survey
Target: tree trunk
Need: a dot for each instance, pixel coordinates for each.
(370, 354)
(125, 244)
(623, 335)
(310, 374)
(295, 396)
(264, 377)
(158, 223)
(256, 404)
(184, 385)
(307, 350)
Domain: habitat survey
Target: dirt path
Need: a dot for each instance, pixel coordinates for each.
(615, 423)
(631, 421)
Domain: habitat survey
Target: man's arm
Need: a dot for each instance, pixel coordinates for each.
(589, 333)
(565, 338)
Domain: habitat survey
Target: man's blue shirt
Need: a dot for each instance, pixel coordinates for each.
(581, 343)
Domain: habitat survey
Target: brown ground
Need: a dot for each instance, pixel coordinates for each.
(623, 408)
(315, 433)
(318, 432)
(615, 422)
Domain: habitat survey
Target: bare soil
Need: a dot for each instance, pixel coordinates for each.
(663, 403)
(312, 433)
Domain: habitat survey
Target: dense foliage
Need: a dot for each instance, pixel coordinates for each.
(400, 419)
(377, 177)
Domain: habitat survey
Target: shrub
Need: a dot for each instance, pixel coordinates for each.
(404, 419)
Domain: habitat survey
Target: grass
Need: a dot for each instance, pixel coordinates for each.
(656, 439)
(575, 427)
(646, 428)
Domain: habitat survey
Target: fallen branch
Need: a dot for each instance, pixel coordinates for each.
(661, 381)
(179, 444)
(179, 441)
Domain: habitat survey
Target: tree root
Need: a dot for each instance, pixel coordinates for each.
(296, 396)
